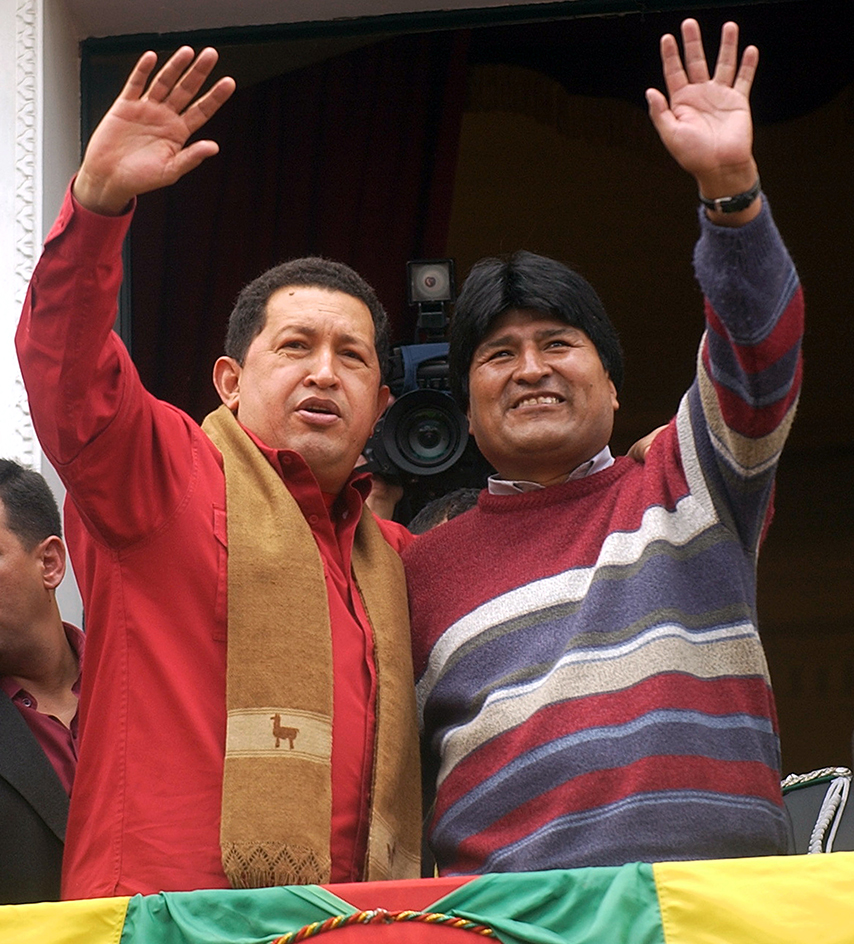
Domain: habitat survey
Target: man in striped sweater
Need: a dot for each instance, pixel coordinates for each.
(590, 680)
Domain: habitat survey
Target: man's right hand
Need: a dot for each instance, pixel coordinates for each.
(139, 145)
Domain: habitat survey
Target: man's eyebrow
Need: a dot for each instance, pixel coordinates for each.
(545, 333)
(501, 341)
(312, 331)
(557, 331)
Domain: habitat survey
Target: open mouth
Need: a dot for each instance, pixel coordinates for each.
(543, 399)
(319, 408)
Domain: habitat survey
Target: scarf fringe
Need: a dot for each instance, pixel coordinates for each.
(266, 864)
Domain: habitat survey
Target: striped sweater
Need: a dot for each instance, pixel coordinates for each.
(591, 685)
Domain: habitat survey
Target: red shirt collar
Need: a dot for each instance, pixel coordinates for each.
(295, 473)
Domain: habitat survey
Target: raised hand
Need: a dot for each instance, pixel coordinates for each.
(141, 143)
(707, 124)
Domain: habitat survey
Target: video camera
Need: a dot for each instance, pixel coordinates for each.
(422, 441)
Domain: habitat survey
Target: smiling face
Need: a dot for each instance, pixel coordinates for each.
(540, 401)
(310, 380)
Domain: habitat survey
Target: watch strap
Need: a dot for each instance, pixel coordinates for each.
(740, 201)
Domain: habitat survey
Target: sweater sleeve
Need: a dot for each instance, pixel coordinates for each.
(735, 418)
(125, 457)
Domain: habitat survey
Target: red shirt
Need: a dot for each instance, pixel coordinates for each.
(57, 741)
(147, 531)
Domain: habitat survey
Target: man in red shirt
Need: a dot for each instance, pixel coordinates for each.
(40, 660)
(247, 714)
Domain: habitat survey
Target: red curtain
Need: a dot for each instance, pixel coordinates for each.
(352, 158)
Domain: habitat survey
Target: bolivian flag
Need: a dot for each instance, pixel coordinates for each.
(774, 900)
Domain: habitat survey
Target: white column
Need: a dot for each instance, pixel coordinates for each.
(20, 209)
(39, 149)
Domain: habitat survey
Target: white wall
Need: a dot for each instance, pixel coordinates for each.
(61, 115)
(61, 155)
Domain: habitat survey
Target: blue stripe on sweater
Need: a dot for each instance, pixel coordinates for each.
(681, 733)
(760, 389)
(569, 832)
(740, 500)
(756, 284)
(616, 608)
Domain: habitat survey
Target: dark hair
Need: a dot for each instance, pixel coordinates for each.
(249, 314)
(443, 508)
(526, 280)
(31, 511)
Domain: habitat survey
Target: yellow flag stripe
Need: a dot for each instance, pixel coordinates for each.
(93, 921)
(774, 900)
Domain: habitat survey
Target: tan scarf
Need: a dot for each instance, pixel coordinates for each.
(276, 796)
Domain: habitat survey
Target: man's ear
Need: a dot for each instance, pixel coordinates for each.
(51, 552)
(226, 378)
(383, 396)
(615, 402)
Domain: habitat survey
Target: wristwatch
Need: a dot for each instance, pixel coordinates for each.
(741, 201)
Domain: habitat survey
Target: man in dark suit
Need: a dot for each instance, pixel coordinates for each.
(39, 674)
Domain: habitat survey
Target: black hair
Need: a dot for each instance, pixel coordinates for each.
(249, 314)
(31, 510)
(443, 508)
(526, 280)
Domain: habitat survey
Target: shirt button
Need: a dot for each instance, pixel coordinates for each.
(286, 460)
(28, 702)
(345, 515)
(313, 519)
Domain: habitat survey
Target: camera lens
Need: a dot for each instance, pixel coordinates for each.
(425, 432)
(428, 436)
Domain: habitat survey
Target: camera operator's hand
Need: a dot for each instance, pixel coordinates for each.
(384, 496)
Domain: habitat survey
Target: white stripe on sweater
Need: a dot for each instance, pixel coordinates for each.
(668, 647)
(678, 527)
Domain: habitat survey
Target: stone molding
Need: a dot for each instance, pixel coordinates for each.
(27, 203)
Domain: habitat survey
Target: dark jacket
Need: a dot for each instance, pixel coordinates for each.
(33, 811)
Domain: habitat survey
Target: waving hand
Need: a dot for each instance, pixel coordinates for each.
(705, 122)
(141, 143)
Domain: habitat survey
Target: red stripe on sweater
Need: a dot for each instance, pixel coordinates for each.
(746, 419)
(604, 787)
(676, 690)
(529, 544)
(786, 334)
